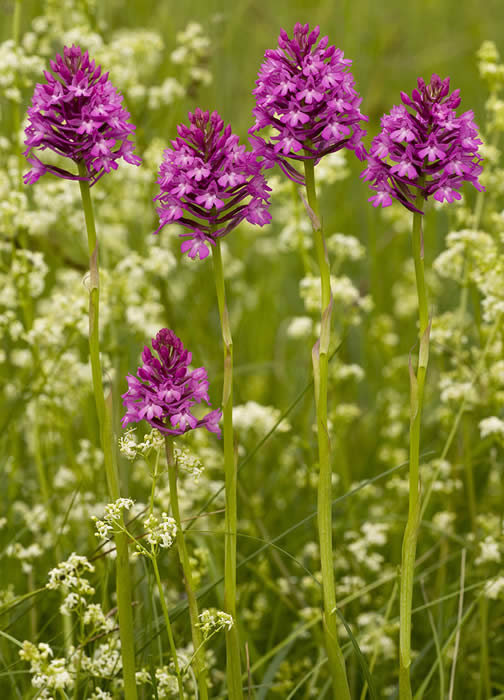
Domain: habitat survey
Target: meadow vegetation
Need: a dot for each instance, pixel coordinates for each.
(65, 530)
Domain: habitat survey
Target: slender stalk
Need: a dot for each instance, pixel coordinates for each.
(197, 637)
(414, 510)
(341, 690)
(233, 663)
(166, 616)
(104, 411)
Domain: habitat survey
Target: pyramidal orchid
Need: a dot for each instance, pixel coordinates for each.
(423, 150)
(305, 96)
(307, 103)
(164, 389)
(209, 183)
(77, 113)
(424, 147)
(163, 393)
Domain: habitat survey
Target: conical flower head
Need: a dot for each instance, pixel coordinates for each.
(77, 113)
(209, 183)
(164, 389)
(305, 96)
(423, 146)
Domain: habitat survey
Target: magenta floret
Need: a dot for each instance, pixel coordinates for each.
(424, 148)
(305, 94)
(209, 183)
(77, 113)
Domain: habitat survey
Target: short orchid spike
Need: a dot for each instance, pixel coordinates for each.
(164, 390)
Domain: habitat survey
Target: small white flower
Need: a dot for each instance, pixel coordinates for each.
(489, 551)
(160, 534)
(491, 426)
(300, 327)
(495, 589)
(213, 620)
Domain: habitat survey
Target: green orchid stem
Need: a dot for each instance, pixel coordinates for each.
(197, 637)
(414, 510)
(324, 517)
(233, 663)
(104, 411)
(168, 626)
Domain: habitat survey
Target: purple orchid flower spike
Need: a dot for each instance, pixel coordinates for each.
(77, 113)
(424, 148)
(305, 95)
(209, 183)
(164, 390)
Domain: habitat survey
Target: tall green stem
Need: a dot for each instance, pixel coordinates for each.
(104, 411)
(197, 637)
(414, 510)
(324, 517)
(233, 664)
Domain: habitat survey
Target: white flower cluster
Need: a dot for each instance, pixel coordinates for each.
(490, 551)
(49, 674)
(489, 67)
(69, 575)
(373, 535)
(27, 273)
(166, 682)
(491, 426)
(332, 168)
(495, 589)
(300, 327)
(131, 449)
(259, 419)
(212, 621)
(160, 533)
(112, 517)
(377, 634)
(343, 247)
(99, 694)
(96, 618)
(192, 52)
(346, 297)
(72, 603)
(342, 372)
(106, 660)
(188, 461)
(17, 70)
(26, 555)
